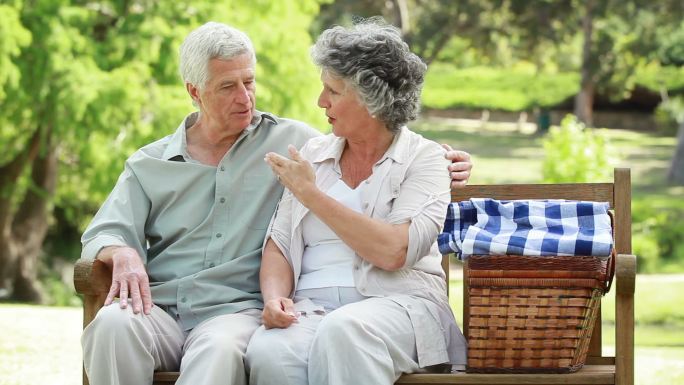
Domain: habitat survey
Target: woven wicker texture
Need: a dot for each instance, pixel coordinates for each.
(533, 314)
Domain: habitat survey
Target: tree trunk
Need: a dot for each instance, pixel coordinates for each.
(24, 230)
(584, 101)
(9, 176)
(676, 174)
(31, 224)
(401, 16)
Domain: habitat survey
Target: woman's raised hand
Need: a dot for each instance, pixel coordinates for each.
(296, 173)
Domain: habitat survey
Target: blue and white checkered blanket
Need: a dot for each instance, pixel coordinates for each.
(526, 227)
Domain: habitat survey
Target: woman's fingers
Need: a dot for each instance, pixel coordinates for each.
(279, 313)
(294, 154)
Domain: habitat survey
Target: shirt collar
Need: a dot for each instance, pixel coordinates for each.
(178, 144)
(398, 151)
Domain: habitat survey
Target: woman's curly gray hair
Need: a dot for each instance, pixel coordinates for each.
(372, 57)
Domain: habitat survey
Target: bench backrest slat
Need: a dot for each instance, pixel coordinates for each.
(602, 192)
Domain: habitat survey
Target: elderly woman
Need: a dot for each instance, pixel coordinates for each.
(351, 277)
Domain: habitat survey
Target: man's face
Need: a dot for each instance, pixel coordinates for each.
(228, 97)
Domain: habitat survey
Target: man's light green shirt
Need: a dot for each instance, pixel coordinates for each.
(198, 228)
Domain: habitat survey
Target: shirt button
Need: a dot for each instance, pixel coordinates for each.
(365, 206)
(356, 267)
(219, 235)
(184, 300)
(223, 168)
(222, 200)
(212, 264)
(367, 181)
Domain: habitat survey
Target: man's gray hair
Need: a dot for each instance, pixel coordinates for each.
(210, 41)
(372, 57)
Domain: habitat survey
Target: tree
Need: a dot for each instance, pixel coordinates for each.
(605, 41)
(86, 83)
(676, 173)
(426, 25)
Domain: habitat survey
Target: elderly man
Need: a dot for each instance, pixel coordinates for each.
(183, 228)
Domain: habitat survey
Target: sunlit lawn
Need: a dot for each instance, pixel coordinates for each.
(40, 345)
(506, 153)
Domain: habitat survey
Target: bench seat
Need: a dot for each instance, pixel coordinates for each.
(589, 374)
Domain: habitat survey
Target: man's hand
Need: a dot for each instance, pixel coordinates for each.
(278, 313)
(129, 278)
(460, 167)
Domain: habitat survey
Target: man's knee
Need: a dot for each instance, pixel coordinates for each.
(112, 322)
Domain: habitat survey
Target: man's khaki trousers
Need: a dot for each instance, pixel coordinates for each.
(120, 347)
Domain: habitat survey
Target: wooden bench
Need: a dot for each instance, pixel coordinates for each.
(92, 279)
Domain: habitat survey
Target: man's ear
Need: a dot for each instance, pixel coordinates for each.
(194, 92)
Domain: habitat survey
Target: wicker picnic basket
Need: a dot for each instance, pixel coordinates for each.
(531, 314)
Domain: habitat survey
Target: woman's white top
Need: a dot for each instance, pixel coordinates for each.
(327, 260)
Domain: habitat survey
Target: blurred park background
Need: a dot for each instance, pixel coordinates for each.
(535, 90)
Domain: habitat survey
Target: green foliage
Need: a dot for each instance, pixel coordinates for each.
(659, 78)
(574, 153)
(658, 237)
(13, 36)
(669, 115)
(672, 49)
(60, 293)
(103, 78)
(514, 89)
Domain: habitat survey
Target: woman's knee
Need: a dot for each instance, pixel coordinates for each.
(338, 327)
(271, 359)
(268, 347)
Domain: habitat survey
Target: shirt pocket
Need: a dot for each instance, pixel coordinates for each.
(257, 199)
(388, 193)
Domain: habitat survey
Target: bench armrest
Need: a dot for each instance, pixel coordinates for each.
(92, 279)
(625, 274)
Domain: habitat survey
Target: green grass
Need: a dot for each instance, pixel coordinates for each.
(497, 147)
(511, 89)
(520, 87)
(657, 303)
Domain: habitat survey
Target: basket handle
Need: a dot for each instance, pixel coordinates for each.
(610, 269)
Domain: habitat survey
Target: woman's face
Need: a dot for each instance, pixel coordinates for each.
(345, 112)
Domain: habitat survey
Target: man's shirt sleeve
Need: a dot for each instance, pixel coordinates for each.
(121, 219)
